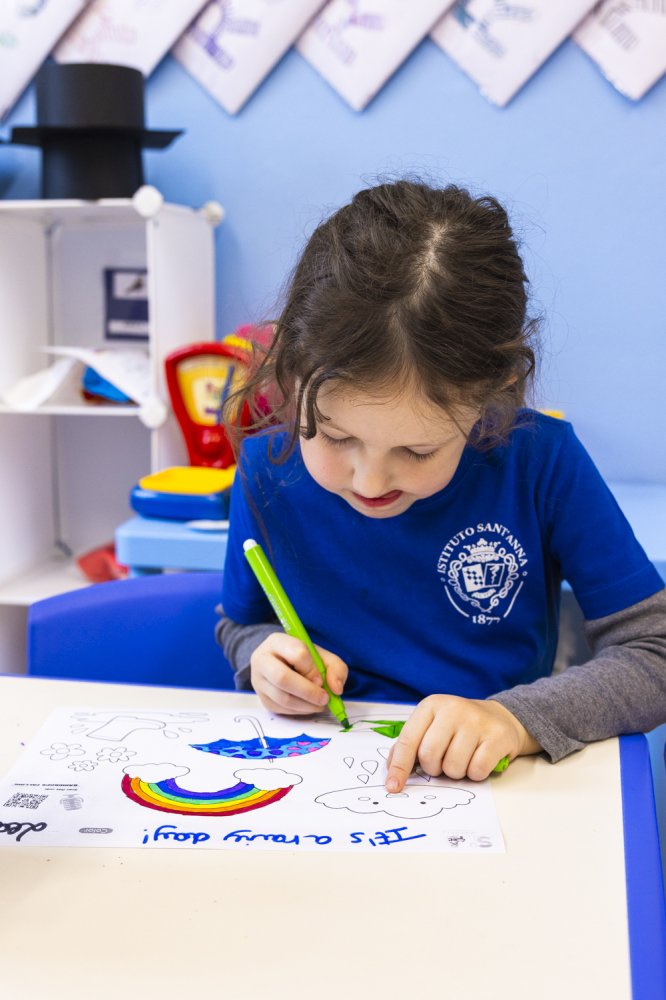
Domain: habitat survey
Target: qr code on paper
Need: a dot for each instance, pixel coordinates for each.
(25, 801)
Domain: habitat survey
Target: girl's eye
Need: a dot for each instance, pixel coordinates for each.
(336, 442)
(418, 456)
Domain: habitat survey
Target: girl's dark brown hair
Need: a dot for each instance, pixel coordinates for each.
(407, 284)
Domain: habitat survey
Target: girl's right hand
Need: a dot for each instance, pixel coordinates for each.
(286, 679)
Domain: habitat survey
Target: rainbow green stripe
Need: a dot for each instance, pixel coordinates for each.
(168, 796)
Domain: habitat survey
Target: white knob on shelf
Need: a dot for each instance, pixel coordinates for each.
(152, 413)
(148, 201)
(213, 212)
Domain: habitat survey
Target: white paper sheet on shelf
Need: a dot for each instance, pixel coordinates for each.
(501, 44)
(134, 33)
(628, 43)
(28, 31)
(32, 391)
(128, 369)
(356, 45)
(153, 779)
(232, 47)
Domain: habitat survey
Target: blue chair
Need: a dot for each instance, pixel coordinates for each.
(146, 630)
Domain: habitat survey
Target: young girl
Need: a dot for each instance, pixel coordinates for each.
(420, 518)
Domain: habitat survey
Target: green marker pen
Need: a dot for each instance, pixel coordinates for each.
(289, 620)
(501, 765)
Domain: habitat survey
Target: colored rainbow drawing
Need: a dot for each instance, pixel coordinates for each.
(168, 796)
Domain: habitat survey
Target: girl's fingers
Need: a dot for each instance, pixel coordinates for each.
(458, 737)
(459, 753)
(402, 757)
(337, 670)
(286, 677)
(278, 700)
(295, 655)
(295, 687)
(484, 760)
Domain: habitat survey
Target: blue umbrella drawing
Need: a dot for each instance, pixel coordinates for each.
(262, 747)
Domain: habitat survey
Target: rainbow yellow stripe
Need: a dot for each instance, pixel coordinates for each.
(168, 796)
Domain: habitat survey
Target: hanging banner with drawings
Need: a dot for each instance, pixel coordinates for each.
(135, 33)
(501, 44)
(628, 43)
(356, 45)
(232, 47)
(28, 31)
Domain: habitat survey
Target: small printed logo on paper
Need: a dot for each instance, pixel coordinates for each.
(483, 570)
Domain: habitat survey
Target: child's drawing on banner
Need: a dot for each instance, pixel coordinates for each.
(134, 33)
(218, 779)
(628, 43)
(357, 45)
(501, 43)
(234, 44)
(28, 31)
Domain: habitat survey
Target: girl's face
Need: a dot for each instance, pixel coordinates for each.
(381, 453)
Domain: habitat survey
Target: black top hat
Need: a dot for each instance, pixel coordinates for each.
(90, 127)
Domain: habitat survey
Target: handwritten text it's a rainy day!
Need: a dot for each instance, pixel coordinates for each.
(169, 833)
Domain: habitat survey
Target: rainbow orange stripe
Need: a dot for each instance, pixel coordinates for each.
(168, 796)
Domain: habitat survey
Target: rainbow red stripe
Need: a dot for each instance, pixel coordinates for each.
(168, 796)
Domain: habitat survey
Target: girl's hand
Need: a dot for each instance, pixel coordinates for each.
(286, 679)
(458, 737)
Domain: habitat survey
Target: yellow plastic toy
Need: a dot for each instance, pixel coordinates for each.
(194, 480)
(184, 492)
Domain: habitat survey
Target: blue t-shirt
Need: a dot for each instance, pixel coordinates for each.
(460, 593)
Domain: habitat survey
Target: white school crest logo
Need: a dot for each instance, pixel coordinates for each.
(483, 569)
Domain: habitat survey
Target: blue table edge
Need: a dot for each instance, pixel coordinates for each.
(646, 904)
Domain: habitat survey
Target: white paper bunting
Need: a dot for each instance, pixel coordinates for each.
(500, 44)
(628, 42)
(357, 45)
(232, 46)
(134, 33)
(28, 31)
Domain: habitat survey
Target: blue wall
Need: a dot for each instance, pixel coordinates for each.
(581, 169)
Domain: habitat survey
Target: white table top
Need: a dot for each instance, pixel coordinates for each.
(547, 919)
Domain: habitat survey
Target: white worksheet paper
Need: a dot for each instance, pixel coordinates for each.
(232, 781)
(232, 47)
(28, 31)
(134, 33)
(628, 43)
(500, 44)
(356, 45)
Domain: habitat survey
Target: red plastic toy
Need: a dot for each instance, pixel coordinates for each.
(200, 377)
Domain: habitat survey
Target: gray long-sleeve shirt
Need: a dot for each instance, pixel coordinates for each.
(620, 689)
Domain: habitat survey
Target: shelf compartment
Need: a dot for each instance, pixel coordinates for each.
(66, 480)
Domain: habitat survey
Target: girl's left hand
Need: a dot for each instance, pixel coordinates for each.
(458, 737)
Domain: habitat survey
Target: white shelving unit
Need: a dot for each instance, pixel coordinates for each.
(66, 469)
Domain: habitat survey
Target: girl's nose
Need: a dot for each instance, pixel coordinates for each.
(370, 478)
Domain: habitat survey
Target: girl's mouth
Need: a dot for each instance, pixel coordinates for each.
(382, 501)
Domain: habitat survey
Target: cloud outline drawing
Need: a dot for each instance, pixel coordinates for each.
(414, 802)
(155, 772)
